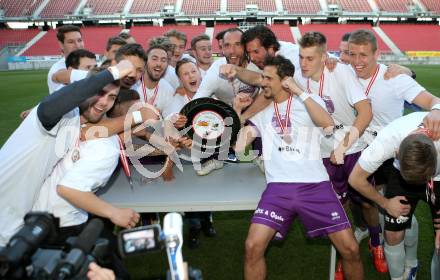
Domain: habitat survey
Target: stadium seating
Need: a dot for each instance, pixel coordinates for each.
(283, 33)
(428, 34)
(432, 5)
(301, 6)
(240, 5)
(361, 6)
(95, 40)
(59, 8)
(148, 6)
(334, 33)
(399, 6)
(143, 34)
(16, 37)
(22, 8)
(103, 7)
(200, 7)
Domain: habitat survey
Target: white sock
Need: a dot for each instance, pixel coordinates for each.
(395, 256)
(411, 242)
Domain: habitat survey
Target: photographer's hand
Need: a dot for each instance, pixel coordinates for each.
(124, 217)
(99, 273)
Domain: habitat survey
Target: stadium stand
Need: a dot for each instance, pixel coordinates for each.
(148, 6)
(240, 5)
(22, 8)
(106, 7)
(59, 8)
(200, 7)
(428, 34)
(95, 39)
(398, 6)
(283, 33)
(143, 34)
(334, 32)
(360, 6)
(431, 5)
(301, 6)
(9, 37)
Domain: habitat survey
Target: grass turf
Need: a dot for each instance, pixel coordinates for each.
(222, 257)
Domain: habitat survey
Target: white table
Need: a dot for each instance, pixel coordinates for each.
(234, 187)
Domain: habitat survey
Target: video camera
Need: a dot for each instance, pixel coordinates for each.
(150, 238)
(28, 256)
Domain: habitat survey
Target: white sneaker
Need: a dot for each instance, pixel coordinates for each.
(360, 234)
(410, 273)
(258, 161)
(209, 166)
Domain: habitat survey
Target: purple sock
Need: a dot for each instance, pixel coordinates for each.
(375, 235)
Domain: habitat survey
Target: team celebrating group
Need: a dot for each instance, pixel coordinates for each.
(328, 132)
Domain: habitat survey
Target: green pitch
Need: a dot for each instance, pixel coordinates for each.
(222, 257)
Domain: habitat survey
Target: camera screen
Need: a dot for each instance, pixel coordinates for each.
(140, 240)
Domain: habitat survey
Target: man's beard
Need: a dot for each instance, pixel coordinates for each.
(152, 78)
(84, 109)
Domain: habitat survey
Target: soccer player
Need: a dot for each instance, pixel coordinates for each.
(215, 85)
(190, 78)
(298, 184)
(78, 64)
(178, 40)
(154, 89)
(202, 50)
(113, 45)
(45, 137)
(69, 39)
(387, 98)
(409, 144)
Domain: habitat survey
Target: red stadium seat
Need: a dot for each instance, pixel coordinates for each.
(240, 5)
(95, 40)
(353, 5)
(104, 7)
(149, 7)
(394, 5)
(22, 8)
(59, 8)
(408, 37)
(16, 37)
(301, 6)
(432, 5)
(200, 7)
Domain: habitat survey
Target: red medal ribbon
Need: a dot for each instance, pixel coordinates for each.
(321, 84)
(287, 116)
(373, 79)
(123, 157)
(144, 90)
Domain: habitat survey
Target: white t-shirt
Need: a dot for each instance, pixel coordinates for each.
(171, 77)
(98, 159)
(387, 142)
(387, 99)
(77, 75)
(222, 89)
(162, 99)
(341, 91)
(53, 86)
(27, 159)
(175, 105)
(297, 162)
(291, 52)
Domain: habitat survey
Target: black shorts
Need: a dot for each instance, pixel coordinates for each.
(396, 186)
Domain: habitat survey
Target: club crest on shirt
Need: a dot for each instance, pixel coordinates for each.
(329, 104)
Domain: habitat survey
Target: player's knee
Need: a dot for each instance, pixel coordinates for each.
(394, 237)
(254, 249)
(350, 251)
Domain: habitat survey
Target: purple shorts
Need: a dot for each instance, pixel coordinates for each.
(339, 177)
(315, 204)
